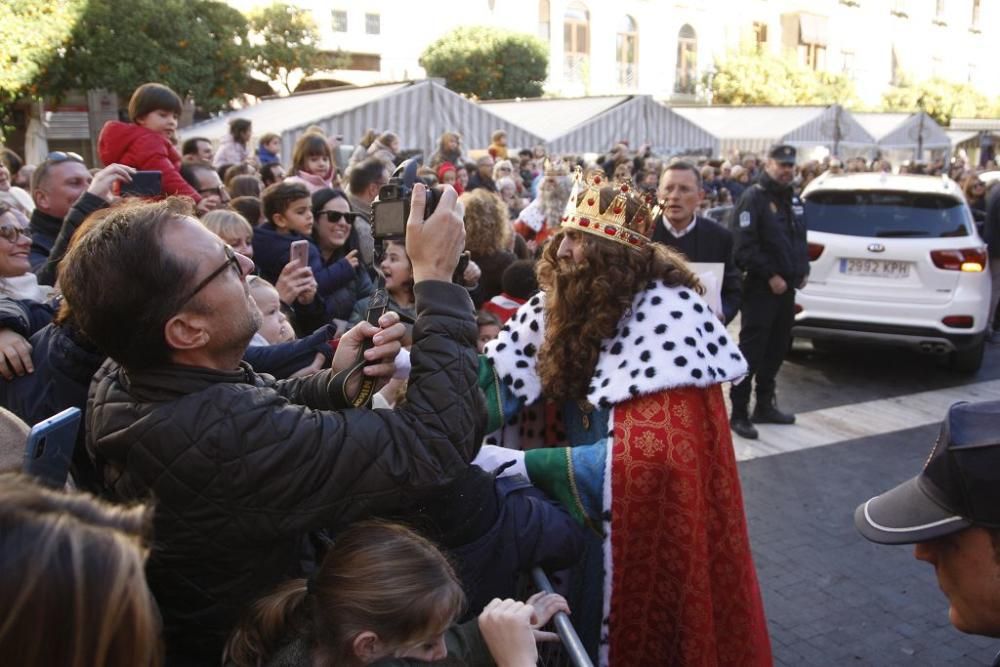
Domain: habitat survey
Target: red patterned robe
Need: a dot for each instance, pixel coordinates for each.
(680, 586)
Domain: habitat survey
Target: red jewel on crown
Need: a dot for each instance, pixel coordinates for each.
(624, 187)
(610, 230)
(597, 179)
(584, 222)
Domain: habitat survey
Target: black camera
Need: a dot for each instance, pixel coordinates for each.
(391, 209)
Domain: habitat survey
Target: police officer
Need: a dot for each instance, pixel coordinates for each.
(770, 248)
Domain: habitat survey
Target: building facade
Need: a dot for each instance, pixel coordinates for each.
(665, 49)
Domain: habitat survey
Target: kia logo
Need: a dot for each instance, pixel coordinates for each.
(876, 247)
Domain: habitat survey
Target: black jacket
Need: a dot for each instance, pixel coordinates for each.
(242, 466)
(55, 246)
(708, 242)
(769, 239)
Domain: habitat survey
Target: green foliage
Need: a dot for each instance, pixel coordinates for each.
(285, 43)
(941, 99)
(750, 77)
(197, 47)
(488, 63)
(31, 32)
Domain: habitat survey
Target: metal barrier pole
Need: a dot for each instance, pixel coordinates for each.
(567, 633)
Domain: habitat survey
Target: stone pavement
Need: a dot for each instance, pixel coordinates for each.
(832, 597)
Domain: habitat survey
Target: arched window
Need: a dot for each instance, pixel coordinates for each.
(627, 51)
(686, 76)
(576, 42)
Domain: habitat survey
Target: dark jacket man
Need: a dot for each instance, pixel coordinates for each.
(708, 241)
(240, 466)
(771, 249)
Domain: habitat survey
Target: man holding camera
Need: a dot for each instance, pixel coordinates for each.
(243, 467)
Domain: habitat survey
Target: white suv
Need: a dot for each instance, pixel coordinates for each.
(895, 260)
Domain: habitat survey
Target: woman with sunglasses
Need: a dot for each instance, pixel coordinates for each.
(19, 284)
(334, 233)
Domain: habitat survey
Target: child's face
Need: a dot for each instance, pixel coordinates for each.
(241, 244)
(273, 326)
(298, 217)
(487, 332)
(161, 121)
(274, 145)
(449, 177)
(463, 176)
(318, 165)
(395, 267)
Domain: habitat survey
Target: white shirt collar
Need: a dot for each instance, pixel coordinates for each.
(679, 233)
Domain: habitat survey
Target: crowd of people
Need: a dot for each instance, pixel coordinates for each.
(556, 403)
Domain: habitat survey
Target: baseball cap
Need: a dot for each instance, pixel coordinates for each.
(958, 487)
(782, 153)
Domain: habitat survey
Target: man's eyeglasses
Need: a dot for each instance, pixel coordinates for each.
(55, 157)
(217, 191)
(231, 260)
(12, 233)
(337, 216)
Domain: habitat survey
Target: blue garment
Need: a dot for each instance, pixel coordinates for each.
(271, 249)
(265, 156)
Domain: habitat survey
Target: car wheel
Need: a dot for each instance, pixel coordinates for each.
(968, 360)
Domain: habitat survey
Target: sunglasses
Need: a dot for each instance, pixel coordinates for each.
(12, 233)
(337, 216)
(55, 157)
(231, 260)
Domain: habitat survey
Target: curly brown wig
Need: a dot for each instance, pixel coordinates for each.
(487, 228)
(585, 302)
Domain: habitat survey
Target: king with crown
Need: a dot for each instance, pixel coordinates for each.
(620, 359)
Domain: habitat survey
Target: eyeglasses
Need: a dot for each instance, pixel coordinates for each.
(12, 233)
(337, 216)
(217, 191)
(55, 157)
(232, 259)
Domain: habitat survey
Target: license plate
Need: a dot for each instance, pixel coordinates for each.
(874, 268)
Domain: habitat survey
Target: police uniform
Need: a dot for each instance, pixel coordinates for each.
(770, 239)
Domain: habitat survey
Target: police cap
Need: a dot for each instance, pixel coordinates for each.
(783, 153)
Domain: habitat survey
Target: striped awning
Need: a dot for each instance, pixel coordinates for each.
(906, 132)
(418, 111)
(595, 124)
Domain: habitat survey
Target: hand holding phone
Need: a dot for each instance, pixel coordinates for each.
(143, 184)
(49, 450)
(299, 251)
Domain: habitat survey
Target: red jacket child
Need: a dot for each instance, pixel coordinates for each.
(144, 143)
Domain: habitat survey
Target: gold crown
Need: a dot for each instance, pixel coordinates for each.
(613, 224)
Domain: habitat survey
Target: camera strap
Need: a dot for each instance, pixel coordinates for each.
(377, 306)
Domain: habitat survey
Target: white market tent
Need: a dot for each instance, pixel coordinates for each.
(595, 124)
(418, 111)
(754, 129)
(905, 133)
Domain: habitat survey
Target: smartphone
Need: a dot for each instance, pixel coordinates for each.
(299, 251)
(49, 450)
(144, 184)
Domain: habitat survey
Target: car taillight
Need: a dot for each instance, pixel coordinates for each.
(967, 259)
(958, 321)
(815, 250)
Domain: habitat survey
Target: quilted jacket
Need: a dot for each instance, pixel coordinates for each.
(241, 466)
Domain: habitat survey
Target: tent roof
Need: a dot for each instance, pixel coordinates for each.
(961, 136)
(592, 124)
(904, 130)
(749, 122)
(550, 118)
(418, 111)
(756, 128)
(278, 114)
(975, 123)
